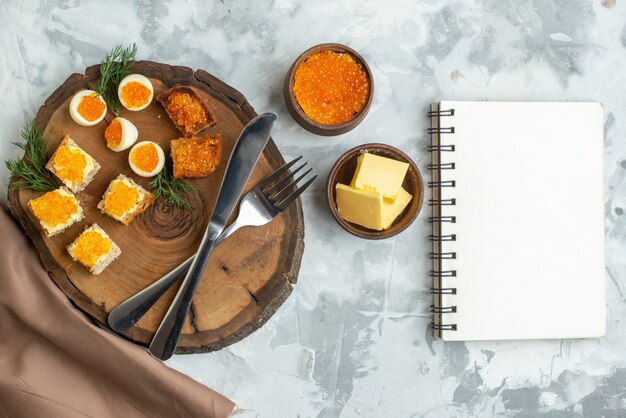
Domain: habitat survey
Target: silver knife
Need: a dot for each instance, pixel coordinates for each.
(247, 151)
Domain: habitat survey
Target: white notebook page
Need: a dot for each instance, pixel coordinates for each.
(529, 220)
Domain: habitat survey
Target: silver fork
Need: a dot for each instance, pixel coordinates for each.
(259, 206)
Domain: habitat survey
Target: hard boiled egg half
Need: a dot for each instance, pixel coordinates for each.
(120, 134)
(135, 92)
(146, 158)
(87, 108)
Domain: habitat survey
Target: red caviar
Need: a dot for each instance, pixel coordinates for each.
(331, 87)
(91, 107)
(90, 246)
(70, 164)
(145, 157)
(113, 134)
(54, 208)
(134, 94)
(121, 198)
(187, 112)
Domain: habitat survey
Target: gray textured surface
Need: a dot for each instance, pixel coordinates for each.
(352, 340)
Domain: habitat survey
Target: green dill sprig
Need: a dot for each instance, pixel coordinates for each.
(164, 186)
(30, 172)
(113, 69)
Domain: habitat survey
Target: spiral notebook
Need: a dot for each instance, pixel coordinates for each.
(517, 220)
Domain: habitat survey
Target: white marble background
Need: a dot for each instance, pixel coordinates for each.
(352, 340)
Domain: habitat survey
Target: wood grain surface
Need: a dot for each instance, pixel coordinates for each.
(248, 276)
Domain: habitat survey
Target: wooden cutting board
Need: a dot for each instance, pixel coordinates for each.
(248, 276)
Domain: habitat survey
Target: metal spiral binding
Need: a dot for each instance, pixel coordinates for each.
(442, 202)
(444, 273)
(446, 130)
(449, 237)
(447, 112)
(450, 148)
(446, 166)
(451, 219)
(437, 219)
(444, 327)
(443, 290)
(442, 256)
(445, 309)
(446, 183)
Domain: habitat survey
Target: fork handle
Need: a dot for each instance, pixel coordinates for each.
(127, 313)
(237, 223)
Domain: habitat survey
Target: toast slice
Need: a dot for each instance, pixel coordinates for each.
(68, 165)
(124, 199)
(188, 109)
(56, 211)
(94, 249)
(196, 157)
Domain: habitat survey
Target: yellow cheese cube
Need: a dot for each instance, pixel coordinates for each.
(361, 207)
(379, 174)
(392, 208)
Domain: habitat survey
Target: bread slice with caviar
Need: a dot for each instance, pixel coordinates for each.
(187, 109)
(124, 199)
(196, 157)
(56, 211)
(94, 249)
(72, 165)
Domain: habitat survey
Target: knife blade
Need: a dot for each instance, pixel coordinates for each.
(243, 158)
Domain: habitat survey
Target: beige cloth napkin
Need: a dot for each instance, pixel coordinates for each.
(54, 362)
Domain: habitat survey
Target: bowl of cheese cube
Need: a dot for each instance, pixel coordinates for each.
(374, 191)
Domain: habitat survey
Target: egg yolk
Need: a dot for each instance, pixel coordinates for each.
(145, 157)
(134, 94)
(90, 246)
(186, 111)
(91, 107)
(53, 208)
(113, 134)
(121, 199)
(70, 164)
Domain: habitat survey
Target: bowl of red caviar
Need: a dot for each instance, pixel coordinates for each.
(329, 89)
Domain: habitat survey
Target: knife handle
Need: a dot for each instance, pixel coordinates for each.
(164, 341)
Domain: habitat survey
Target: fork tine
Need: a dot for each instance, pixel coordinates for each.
(280, 183)
(293, 196)
(277, 173)
(288, 187)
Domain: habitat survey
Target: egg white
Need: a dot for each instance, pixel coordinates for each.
(78, 118)
(129, 135)
(160, 163)
(143, 80)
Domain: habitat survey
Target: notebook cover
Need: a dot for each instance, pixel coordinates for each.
(529, 221)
